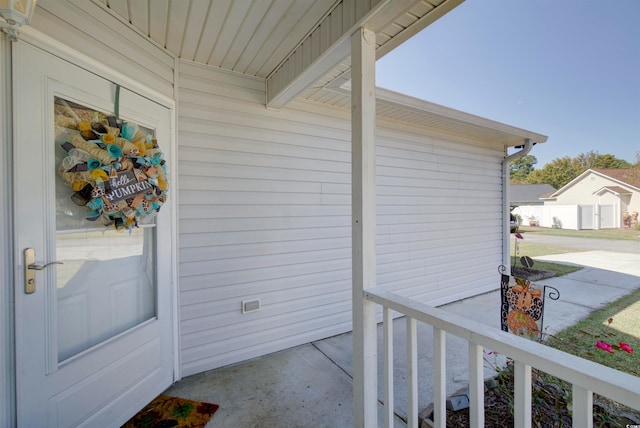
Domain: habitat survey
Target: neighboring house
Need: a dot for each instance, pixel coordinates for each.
(529, 194)
(596, 199)
(269, 226)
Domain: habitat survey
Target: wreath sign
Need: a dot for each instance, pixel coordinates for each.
(116, 172)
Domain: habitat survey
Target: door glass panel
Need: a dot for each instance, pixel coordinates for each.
(106, 284)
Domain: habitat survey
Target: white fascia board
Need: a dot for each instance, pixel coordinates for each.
(325, 62)
(382, 14)
(428, 19)
(425, 107)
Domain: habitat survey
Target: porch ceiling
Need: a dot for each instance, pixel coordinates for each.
(254, 36)
(246, 36)
(301, 48)
(289, 43)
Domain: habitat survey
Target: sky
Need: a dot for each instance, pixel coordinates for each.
(567, 69)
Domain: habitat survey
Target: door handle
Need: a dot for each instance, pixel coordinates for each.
(30, 270)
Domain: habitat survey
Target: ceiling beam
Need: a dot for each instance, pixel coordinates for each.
(328, 44)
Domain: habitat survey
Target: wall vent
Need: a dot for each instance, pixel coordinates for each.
(250, 305)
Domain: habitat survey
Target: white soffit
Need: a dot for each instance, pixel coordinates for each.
(403, 108)
(289, 43)
(256, 37)
(251, 37)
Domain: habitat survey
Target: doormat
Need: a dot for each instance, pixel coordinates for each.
(166, 411)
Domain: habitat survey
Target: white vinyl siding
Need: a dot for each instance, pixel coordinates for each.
(90, 29)
(265, 213)
(439, 216)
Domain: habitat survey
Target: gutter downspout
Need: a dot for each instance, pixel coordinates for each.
(506, 199)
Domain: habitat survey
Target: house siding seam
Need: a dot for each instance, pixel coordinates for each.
(264, 212)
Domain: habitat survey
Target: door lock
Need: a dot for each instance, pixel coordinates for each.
(30, 270)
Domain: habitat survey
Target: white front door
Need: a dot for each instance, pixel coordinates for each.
(94, 335)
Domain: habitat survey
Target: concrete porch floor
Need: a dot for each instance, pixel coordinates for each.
(311, 385)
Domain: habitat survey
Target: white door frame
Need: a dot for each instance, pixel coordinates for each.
(7, 367)
(47, 44)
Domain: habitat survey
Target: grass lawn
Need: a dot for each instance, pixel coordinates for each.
(534, 250)
(526, 248)
(624, 234)
(551, 396)
(581, 338)
(617, 322)
(558, 268)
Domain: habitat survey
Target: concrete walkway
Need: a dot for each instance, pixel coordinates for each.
(311, 385)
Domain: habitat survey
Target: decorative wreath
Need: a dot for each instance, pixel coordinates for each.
(117, 172)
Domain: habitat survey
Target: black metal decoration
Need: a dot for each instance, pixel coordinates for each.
(504, 305)
(553, 294)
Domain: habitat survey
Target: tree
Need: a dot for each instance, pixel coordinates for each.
(596, 160)
(521, 168)
(557, 173)
(561, 171)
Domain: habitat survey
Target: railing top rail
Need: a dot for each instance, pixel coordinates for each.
(621, 387)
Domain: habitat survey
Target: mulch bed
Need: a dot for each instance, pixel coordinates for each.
(549, 405)
(530, 273)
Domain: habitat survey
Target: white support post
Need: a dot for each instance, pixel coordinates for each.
(363, 201)
(582, 407)
(522, 395)
(388, 368)
(476, 386)
(439, 379)
(412, 373)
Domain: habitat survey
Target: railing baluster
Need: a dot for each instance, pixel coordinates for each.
(586, 376)
(439, 379)
(388, 368)
(522, 395)
(476, 386)
(582, 407)
(412, 374)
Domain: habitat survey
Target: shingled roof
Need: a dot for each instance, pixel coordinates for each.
(630, 176)
(529, 194)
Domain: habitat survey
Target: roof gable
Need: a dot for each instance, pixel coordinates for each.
(616, 190)
(627, 177)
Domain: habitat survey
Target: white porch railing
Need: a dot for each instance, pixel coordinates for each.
(586, 376)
